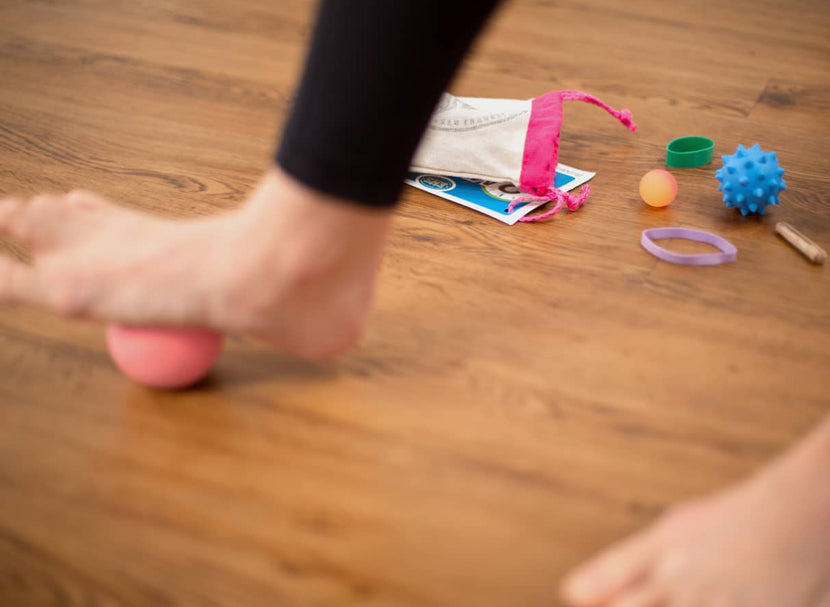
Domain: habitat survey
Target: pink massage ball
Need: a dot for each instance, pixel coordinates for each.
(164, 358)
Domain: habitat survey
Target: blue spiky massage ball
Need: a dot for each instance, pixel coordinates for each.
(750, 179)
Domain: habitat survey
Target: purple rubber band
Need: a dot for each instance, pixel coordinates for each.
(728, 251)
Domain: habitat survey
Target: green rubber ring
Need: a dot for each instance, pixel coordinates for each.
(688, 152)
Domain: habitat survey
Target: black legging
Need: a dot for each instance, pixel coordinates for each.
(375, 70)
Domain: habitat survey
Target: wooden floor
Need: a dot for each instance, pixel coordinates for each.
(525, 395)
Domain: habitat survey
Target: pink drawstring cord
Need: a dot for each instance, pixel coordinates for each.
(573, 202)
(624, 116)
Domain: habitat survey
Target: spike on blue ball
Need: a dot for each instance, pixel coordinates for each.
(750, 179)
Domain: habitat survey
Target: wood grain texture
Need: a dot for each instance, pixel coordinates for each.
(525, 395)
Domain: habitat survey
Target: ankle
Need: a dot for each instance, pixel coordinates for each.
(304, 266)
(315, 230)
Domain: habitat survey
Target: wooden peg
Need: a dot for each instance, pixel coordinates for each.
(807, 247)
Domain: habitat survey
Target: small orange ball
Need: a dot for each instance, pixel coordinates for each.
(658, 188)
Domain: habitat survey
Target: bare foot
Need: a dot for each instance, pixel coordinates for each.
(764, 543)
(293, 266)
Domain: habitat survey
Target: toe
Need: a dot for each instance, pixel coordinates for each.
(644, 595)
(84, 200)
(61, 293)
(10, 211)
(602, 579)
(23, 220)
(41, 222)
(17, 281)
